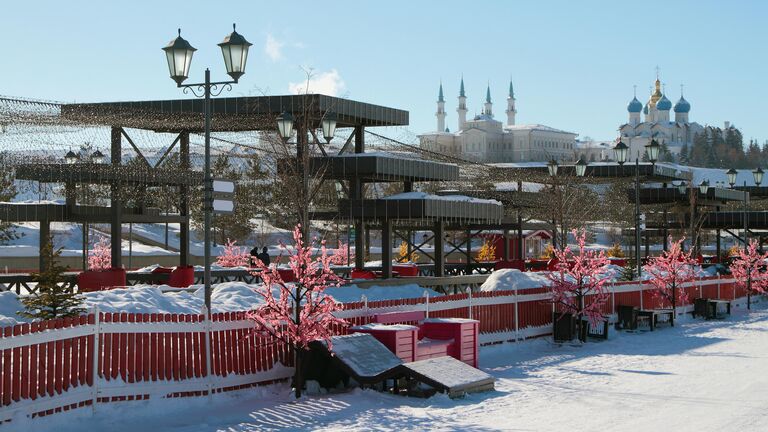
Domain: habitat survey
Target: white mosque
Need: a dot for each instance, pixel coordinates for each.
(637, 132)
(485, 139)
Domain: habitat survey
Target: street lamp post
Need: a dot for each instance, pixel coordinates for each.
(652, 152)
(179, 53)
(580, 168)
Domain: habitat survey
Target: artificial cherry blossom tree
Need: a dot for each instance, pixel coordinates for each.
(578, 283)
(233, 255)
(747, 268)
(300, 312)
(342, 256)
(100, 257)
(668, 272)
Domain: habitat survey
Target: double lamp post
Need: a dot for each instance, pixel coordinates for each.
(234, 48)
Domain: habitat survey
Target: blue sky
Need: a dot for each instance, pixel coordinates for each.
(573, 63)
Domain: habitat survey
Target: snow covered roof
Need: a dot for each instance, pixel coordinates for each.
(536, 126)
(424, 195)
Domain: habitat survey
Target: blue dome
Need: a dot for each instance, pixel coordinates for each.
(634, 106)
(682, 106)
(663, 104)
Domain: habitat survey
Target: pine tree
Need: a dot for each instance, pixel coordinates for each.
(664, 154)
(685, 154)
(51, 300)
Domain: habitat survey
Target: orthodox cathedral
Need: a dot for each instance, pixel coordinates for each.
(656, 123)
(486, 139)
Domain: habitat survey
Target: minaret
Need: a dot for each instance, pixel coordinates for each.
(511, 111)
(440, 110)
(488, 104)
(462, 109)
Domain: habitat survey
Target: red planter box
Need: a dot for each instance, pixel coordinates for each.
(362, 274)
(287, 275)
(182, 277)
(101, 280)
(406, 269)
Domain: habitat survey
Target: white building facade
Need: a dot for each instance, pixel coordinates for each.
(485, 139)
(657, 123)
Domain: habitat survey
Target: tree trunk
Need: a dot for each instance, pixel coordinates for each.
(582, 334)
(674, 303)
(298, 375)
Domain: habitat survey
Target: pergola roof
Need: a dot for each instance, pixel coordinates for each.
(670, 195)
(34, 212)
(232, 114)
(447, 210)
(89, 173)
(375, 167)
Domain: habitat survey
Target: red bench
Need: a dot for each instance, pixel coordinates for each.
(398, 317)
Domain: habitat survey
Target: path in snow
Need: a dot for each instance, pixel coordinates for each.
(699, 376)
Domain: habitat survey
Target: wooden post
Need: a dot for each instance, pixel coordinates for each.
(386, 248)
(115, 205)
(184, 201)
(439, 231)
(45, 237)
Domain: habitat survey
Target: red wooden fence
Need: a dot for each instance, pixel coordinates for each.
(56, 365)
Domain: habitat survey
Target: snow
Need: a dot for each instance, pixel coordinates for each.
(426, 196)
(451, 320)
(226, 297)
(365, 355)
(509, 279)
(353, 293)
(698, 376)
(389, 327)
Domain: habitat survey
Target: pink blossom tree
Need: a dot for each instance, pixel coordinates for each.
(300, 312)
(668, 272)
(747, 268)
(233, 255)
(342, 255)
(100, 257)
(578, 283)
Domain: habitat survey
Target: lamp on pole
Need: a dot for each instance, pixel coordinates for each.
(652, 152)
(179, 53)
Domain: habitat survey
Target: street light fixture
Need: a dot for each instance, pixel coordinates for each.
(285, 125)
(682, 187)
(179, 54)
(704, 187)
(235, 51)
(552, 167)
(652, 151)
(620, 151)
(329, 126)
(757, 174)
(97, 157)
(731, 173)
(71, 157)
(581, 167)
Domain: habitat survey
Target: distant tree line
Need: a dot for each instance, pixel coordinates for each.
(718, 148)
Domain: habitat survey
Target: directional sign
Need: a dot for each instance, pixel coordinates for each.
(223, 196)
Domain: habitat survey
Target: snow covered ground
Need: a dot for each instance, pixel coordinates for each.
(699, 376)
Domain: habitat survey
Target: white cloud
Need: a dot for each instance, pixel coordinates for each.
(273, 48)
(327, 83)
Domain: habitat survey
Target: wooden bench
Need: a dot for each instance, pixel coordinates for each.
(710, 308)
(653, 316)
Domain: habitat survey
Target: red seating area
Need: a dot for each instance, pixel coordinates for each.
(88, 281)
(436, 337)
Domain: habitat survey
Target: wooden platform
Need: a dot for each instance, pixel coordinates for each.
(446, 374)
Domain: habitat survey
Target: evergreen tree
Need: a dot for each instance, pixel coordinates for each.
(51, 300)
(664, 154)
(685, 154)
(7, 193)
